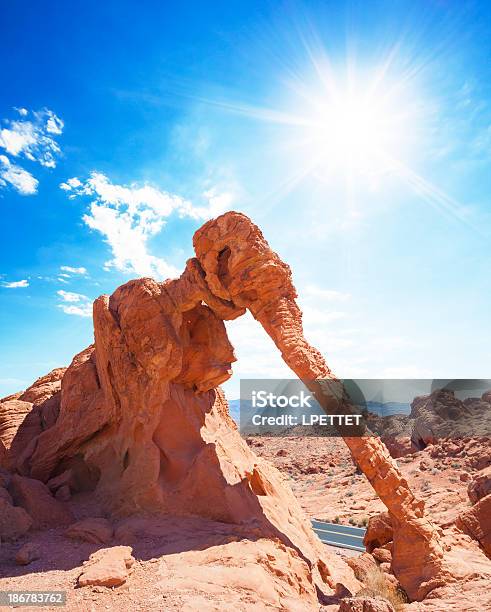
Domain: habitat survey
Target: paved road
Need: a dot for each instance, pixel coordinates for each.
(343, 536)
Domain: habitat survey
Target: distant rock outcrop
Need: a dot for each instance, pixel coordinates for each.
(442, 415)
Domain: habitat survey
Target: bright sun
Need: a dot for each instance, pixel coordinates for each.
(356, 133)
(354, 128)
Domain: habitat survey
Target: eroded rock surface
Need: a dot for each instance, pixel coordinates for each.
(379, 531)
(365, 604)
(42, 507)
(95, 530)
(14, 522)
(28, 553)
(476, 522)
(480, 485)
(3, 454)
(108, 567)
(23, 416)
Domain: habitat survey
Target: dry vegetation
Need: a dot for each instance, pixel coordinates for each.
(378, 586)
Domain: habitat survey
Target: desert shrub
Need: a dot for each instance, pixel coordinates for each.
(378, 586)
(336, 520)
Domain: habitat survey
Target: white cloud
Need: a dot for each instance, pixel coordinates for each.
(218, 203)
(32, 139)
(69, 296)
(20, 179)
(21, 137)
(72, 183)
(54, 125)
(75, 303)
(16, 284)
(128, 216)
(84, 310)
(71, 270)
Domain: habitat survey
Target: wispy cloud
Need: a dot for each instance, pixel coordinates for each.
(34, 138)
(70, 296)
(71, 270)
(16, 284)
(82, 310)
(129, 215)
(31, 137)
(75, 303)
(17, 177)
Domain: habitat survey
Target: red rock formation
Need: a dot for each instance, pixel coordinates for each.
(476, 522)
(95, 530)
(379, 531)
(28, 553)
(260, 575)
(43, 388)
(480, 485)
(107, 567)
(35, 498)
(365, 604)
(3, 455)
(14, 522)
(142, 422)
(25, 415)
(12, 414)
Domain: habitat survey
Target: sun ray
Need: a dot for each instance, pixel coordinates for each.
(433, 195)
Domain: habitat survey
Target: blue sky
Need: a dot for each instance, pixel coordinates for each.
(357, 135)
